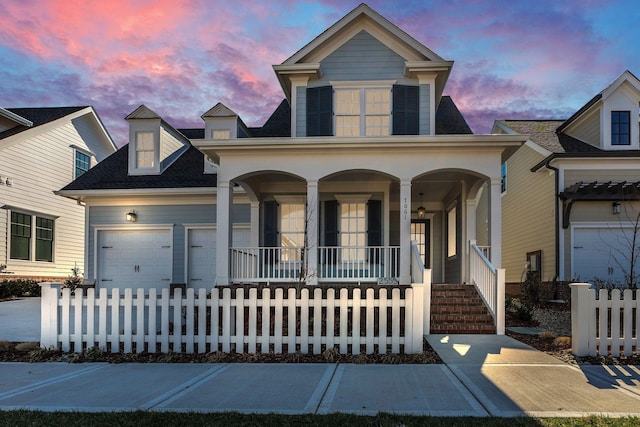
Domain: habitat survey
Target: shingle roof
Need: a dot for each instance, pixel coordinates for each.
(543, 133)
(112, 173)
(449, 120)
(187, 170)
(38, 116)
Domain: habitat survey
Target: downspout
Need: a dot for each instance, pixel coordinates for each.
(557, 221)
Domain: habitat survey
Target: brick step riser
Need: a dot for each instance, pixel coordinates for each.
(457, 301)
(465, 318)
(457, 328)
(453, 309)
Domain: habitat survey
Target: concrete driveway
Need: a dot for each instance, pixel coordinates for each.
(20, 320)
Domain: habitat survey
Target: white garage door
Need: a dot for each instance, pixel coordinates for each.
(598, 253)
(134, 259)
(201, 267)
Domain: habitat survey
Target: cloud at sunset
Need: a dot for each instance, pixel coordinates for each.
(512, 59)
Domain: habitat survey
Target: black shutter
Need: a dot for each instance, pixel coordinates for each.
(374, 229)
(319, 111)
(405, 110)
(331, 223)
(374, 214)
(270, 227)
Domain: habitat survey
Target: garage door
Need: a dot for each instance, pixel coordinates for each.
(201, 268)
(134, 259)
(597, 253)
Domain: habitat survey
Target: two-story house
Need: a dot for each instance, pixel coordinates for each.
(41, 150)
(363, 157)
(570, 193)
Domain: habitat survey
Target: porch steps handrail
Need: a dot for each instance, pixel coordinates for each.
(490, 283)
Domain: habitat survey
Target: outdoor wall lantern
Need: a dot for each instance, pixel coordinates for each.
(131, 216)
(421, 210)
(616, 208)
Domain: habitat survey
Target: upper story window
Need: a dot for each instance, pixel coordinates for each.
(620, 128)
(144, 150)
(370, 110)
(82, 163)
(221, 134)
(503, 177)
(23, 245)
(363, 112)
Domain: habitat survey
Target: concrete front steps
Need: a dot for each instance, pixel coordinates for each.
(459, 309)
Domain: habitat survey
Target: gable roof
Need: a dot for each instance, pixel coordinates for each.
(449, 120)
(418, 58)
(38, 117)
(626, 76)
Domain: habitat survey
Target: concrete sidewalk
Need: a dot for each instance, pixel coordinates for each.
(483, 375)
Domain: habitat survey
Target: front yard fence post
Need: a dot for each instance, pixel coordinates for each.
(50, 295)
(580, 318)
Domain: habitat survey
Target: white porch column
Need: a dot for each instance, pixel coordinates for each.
(405, 232)
(223, 231)
(255, 224)
(470, 234)
(495, 222)
(313, 209)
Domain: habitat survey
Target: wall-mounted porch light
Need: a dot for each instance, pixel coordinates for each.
(616, 208)
(421, 209)
(131, 216)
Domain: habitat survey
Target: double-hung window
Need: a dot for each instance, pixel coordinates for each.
(144, 150)
(353, 231)
(620, 128)
(31, 237)
(82, 163)
(363, 111)
(292, 228)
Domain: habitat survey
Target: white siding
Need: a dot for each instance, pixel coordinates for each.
(169, 144)
(37, 167)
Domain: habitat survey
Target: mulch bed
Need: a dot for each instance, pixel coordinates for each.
(28, 352)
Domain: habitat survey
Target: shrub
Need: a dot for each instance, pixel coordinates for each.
(27, 346)
(19, 288)
(73, 281)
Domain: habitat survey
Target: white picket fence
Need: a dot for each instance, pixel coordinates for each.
(204, 321)
(604, 322)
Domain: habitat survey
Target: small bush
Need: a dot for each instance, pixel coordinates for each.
(548, 335)
(216, 357)
(360, 359)
(94, 353)
(391, 359)
(27, 346)
(331, 354)
(40, 354)
(19, 288)
(563, 342)
(6, 345)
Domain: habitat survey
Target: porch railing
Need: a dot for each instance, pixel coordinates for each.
(259, 264)
(358, 263)
(489, 281)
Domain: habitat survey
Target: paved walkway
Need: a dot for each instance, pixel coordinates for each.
(20, 320)
(483, 375)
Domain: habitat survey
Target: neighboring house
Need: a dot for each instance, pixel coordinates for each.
(571, 192)
(43, 149)
(364, 156)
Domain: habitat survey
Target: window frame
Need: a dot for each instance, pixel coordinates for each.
(34, 231)
(76, 160)
(363, 88)
(616, 131)
(152, 150)
(503, 177)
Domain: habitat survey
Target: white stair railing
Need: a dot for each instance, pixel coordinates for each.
(489, 281)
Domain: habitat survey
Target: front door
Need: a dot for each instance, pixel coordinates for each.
(421, 234)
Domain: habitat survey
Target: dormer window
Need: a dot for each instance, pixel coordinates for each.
(362, 109)
(363, 112)
(620, 128)
(221, 134)
(144, 150)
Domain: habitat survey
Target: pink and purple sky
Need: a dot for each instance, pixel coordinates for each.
(513, 59)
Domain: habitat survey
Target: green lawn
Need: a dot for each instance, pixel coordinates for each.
(35, 418)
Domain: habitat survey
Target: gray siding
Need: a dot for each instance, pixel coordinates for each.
(178, 215)
(362, 58)
(425, 109)
(301, 110)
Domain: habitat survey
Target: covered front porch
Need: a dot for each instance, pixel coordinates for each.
(345, 211)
